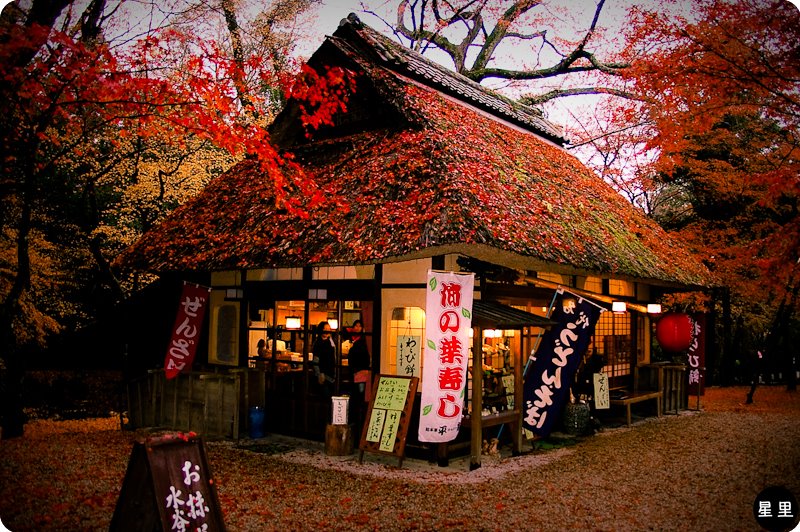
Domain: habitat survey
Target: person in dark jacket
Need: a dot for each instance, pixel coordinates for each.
(360, 365)
(324, 350)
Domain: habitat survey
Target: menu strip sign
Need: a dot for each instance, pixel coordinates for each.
(388, 416)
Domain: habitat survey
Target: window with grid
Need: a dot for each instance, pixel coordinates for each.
(612, 340)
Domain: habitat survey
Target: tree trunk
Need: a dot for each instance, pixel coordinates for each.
(238, 56)
(727, 340)
(12, 418)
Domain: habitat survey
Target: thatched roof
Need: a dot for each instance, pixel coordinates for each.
(416, 170)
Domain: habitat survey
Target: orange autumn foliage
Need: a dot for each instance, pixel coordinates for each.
(86, 119)
(717, 124)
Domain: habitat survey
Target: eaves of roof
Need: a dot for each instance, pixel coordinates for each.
(493, 315)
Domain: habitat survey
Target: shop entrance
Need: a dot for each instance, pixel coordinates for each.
(281, 335)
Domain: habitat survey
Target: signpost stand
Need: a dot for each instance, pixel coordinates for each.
(388, 416)
(168, 486)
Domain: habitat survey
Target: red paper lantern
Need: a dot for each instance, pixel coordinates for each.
(674, 332)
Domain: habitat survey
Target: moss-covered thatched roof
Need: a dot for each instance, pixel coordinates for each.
(435, 174)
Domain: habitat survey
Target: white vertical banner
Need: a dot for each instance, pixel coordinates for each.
(448, 320)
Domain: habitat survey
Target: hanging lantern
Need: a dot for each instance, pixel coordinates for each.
(674, 332)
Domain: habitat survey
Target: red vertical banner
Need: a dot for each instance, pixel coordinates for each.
(696, 356)
(186, 331)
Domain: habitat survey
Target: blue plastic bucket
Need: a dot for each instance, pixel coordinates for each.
(256, 422)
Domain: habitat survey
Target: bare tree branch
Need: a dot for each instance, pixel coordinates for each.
(447, 14)
(577, 91)
(500, 29)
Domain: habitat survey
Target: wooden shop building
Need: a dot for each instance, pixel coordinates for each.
(427, 170)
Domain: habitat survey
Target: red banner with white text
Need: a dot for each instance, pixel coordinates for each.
(186, 331)
(696, 355)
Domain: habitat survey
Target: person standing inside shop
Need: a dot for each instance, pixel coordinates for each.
(261, 349)
(359, 363)
(324, 359)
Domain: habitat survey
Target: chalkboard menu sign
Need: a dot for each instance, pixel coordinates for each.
(388, 416)
(168, 486)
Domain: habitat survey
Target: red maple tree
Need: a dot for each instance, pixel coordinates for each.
(76, 108)
(719, 116)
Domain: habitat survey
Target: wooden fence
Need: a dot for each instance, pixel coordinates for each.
(671, 380)
(205, 403)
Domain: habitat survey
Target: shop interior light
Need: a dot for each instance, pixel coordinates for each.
(293, 322)
(653, 308)
(619, 306)
(334, 323)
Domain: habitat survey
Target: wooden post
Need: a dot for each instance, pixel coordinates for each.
(441, 455)
(477, 400)
(338, 440)
(516, 428)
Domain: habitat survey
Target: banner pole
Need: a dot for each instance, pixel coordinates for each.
(539, 337)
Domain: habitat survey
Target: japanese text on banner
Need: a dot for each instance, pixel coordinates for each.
(448, 320)
(186, 331)
(546, 386)
(696, 355)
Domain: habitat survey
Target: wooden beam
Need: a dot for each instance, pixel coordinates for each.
(477, 400)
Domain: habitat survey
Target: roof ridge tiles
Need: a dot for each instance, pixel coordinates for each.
(397, 57)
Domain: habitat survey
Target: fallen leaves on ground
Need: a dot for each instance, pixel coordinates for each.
(693, 471)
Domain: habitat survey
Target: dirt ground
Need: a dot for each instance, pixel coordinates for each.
(693, 471)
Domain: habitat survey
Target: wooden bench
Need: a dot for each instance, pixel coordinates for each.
(638, 397)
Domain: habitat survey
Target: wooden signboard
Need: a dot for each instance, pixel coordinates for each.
(388, 416)
(602, 399)
(168, 486)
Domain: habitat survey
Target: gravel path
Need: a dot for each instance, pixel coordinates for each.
(695, 471)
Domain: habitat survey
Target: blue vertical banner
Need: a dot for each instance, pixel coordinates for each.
(553, 366)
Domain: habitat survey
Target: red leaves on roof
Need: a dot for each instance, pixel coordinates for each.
(457, 177)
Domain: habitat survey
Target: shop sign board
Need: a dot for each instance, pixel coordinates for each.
(388, 415)
(408, 355)
(448, 320)
(168, 486)
(602, 399)
(339, 410)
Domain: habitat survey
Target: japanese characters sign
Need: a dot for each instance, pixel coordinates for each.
(696, 355)
(602, 399)
(408, 355)
(186, 331)
(168, 486)
(388, 416)
(775, 508)
(340, 408)
(448, 320)
(390, 400)
(547, 383)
